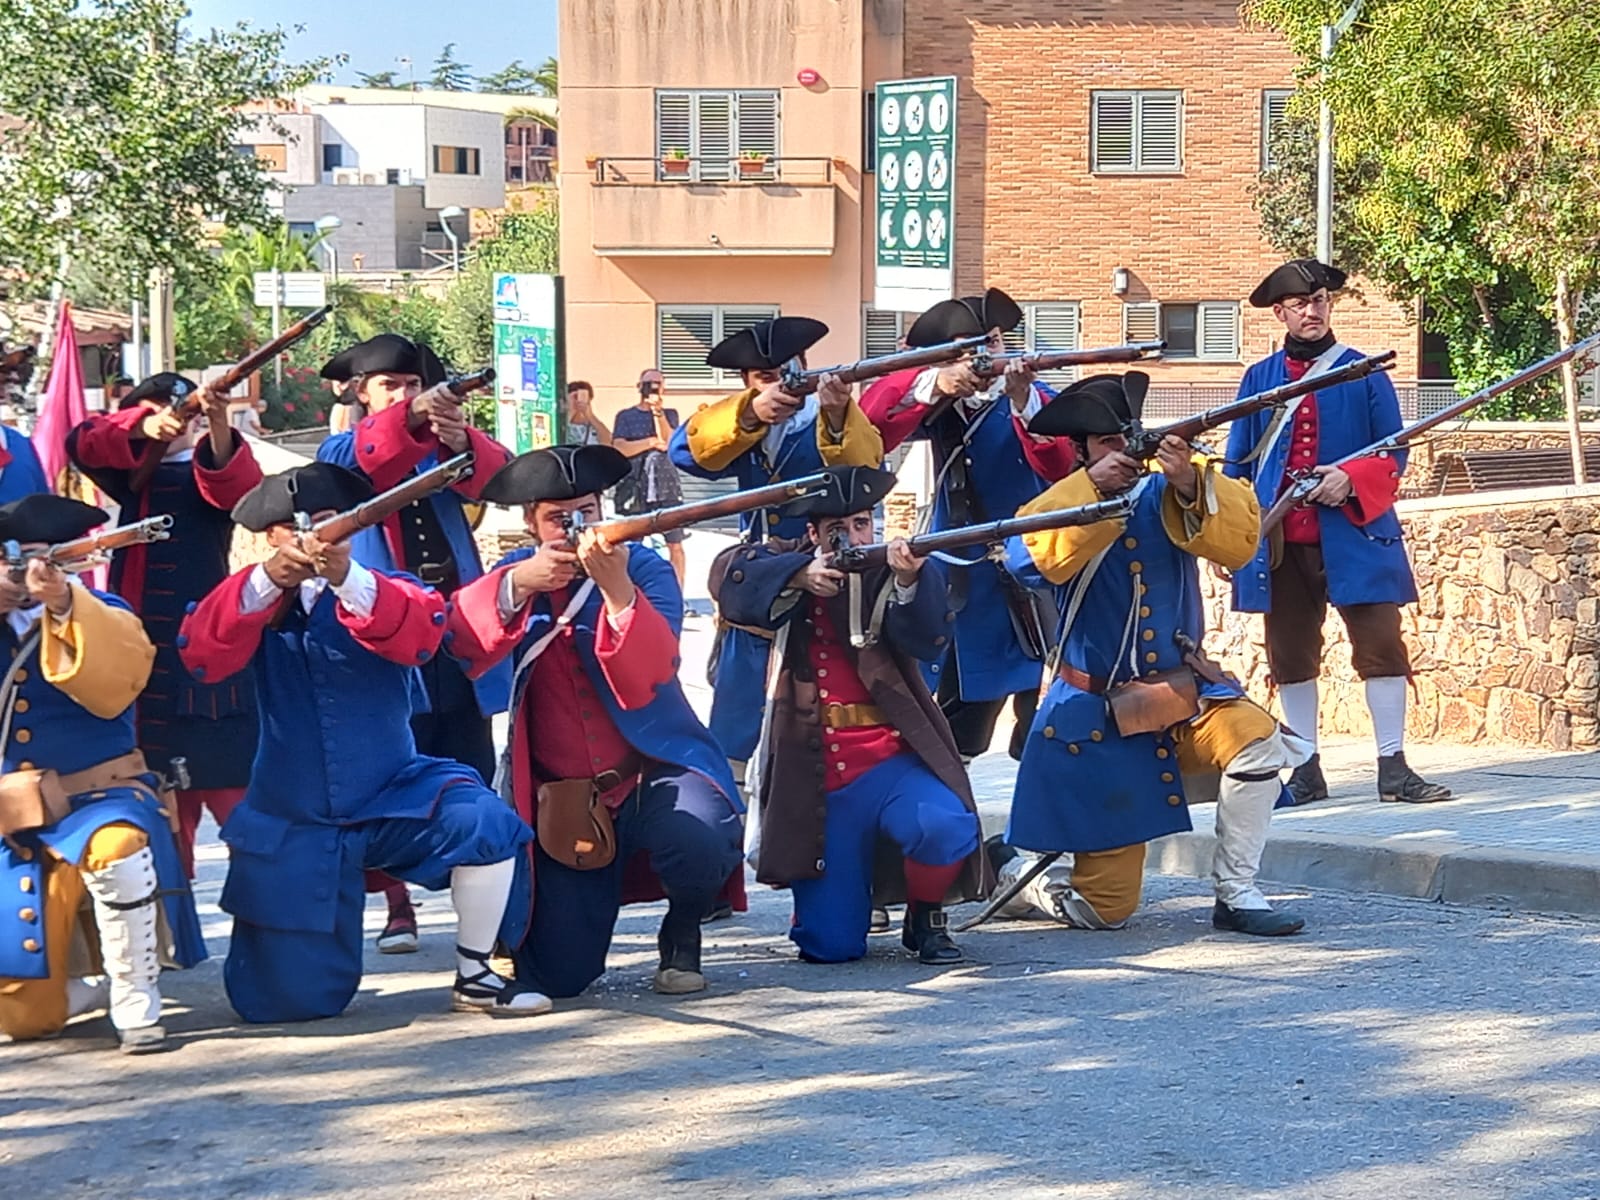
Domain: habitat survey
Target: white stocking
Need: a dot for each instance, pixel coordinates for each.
(1299, 702)
(479, 895)
(125, 913)
(1386, 701)
(1250, 789)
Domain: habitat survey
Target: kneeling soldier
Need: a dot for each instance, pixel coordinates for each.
(78, 807)
(856, 752)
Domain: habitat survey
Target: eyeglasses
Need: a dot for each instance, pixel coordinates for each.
(1300, 304)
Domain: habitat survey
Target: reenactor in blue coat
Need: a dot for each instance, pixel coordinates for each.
(1345, 546)
(759, 436)
(83, 826)
(1134, 707)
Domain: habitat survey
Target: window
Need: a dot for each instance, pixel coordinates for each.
(1132, 132)
(455, 160)
(881, 331)
(685, 334)
(332, 156)
(1208, 330)
(391, 176)
(715, 130)
(1051, 327)
(1274, 107)
(273, 156)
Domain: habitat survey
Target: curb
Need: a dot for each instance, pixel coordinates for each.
(1445, 871)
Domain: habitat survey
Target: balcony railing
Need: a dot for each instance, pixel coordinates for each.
(719, 170)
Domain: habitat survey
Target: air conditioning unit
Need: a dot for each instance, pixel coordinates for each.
(371, 180)
(346, 176)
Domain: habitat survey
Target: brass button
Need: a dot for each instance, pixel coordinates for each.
(1050, 731)
(1149, 635)
(24, 736)
(1166, 777)
(1131, 543)
(22, 706)
(1144, 610)
(1151, 657)
(1163, 752)
(1144, 589)
(26, 883)
(1096, 735)
(22, 677)
(24, 766)
(27, 914)
(1135, 567)
(1073, 749)
(30, 945)
(1174, 800)
(738, 576)
(772, 518)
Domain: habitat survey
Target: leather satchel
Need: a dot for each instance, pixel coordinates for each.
(1155, 702)
(31, 800)
(574, 826)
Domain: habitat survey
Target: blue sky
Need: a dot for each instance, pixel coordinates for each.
(488, 35)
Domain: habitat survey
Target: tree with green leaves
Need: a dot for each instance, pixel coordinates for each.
(377, 79)
(449, 75)
(1480, 122)
(526, 242)
(514, 79)
(127, 137)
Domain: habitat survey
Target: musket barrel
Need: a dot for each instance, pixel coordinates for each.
(679, 516)
(862, 558)
(376, 509)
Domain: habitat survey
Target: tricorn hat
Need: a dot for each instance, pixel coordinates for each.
(1099, 405)
(967, 317)
(849, 490)
(767, 345)
(557, 473)
(311, 489)
(1297, 277)
(388, 353)
(165, 385)
(47, 518)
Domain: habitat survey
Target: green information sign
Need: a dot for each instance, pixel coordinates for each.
(915, 128)
(527, 361)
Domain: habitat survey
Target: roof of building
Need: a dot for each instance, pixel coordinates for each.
(495, 102)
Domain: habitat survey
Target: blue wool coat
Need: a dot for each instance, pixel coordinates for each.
(1365, 564)
(23, 475)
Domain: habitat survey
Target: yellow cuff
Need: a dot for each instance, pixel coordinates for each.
(858, 445)
(1062, 553)
(101, 656)
(715, 438)
(1223, 523)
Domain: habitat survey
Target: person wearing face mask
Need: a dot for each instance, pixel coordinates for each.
(204, 470)
(641, 433)
(1344, 546)
(405, 426)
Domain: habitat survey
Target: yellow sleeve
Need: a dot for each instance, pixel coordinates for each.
(1224, 522)
(858, 445)
(101, 656)
(1062, 553)
(715, 438)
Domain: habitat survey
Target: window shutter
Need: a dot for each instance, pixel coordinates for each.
(684, 336)
(714, 136)
(1218, 335)
(1113, 131)
(674, 123)
(1015, 340)
(731, 320)
(1141, 322)
(880, 332)
(1274, 107)
(1160, 131)
(756, 116)
(1053, 327)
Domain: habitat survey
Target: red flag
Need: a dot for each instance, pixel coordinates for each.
(61, 409)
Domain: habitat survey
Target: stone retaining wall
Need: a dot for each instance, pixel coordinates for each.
(1505, 639)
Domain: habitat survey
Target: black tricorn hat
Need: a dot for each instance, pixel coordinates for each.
(163, 386)
(387, 353)
(967, 317)
(311, 489)
(850, 490)
(557, 473)
(43, 517)
(1297, 277)
(767, 345)
(1098, 405)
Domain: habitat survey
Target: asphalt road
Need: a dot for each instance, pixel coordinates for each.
(1400, 1049)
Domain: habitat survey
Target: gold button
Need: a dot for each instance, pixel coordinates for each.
(772, 518)
(1149, 635)
(1163, 752)
(1135, 567)
(22, 677)
(1166, 777)
(1073, 749)
(24, 736)
(30, 945)
(24, 766)
(1174, 800)
(1049, 731)
(1144, 589)
(22, 706)
(1151, 657)
(27, 914)
(1095, 735)
(1131, 543)
(26, 883)
(1144, 610)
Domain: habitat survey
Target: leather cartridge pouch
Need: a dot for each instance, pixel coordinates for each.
(1155, 702)
(31, 800)
(574, 825)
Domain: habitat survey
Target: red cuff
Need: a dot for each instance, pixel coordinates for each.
(474, 633)
(1051, 459)
(387, 448)
(406, 624)
(488, 457)
(111, 441)
(889, 406)
(638, 658)
(216, 640)
(223, 487)
(1374, 485)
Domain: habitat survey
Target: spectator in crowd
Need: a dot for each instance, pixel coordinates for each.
(584, 426)
(641, 433)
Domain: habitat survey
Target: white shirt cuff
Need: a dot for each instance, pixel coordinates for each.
(505, 600)
(904, 594)
(615, 619)
(259, 593)
(1031, 409)
(922, 388)
(359, 591)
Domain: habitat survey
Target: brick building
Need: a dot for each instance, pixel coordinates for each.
(1106, 153)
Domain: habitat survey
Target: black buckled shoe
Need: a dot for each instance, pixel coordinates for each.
(488, 991)
(1306, 782)
(1398, 783)
(879, 922)
(1258, 922)
(926, 933)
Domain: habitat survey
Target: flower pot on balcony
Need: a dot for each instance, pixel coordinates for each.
(752, 167)
(675, 167)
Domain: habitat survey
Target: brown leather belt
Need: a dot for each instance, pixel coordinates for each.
(765, 635)
(113, 773)
(852, 716)
(1081, 680)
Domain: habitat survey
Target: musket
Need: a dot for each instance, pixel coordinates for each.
(89, 551)
(864, 558)
(1303, 483)
(987, 365)
(1143, 443)
(459, 387)
(798, 381)
(189, 407)
(664, 520)
(376, 509)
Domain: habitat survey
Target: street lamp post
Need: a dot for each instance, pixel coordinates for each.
(325, 226)
(1330, 38)
(446, 215)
